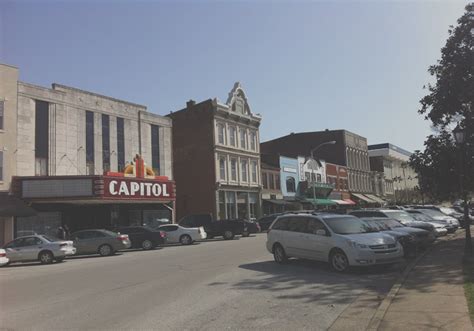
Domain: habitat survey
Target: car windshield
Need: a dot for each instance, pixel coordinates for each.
(392, 223)
(421, 217)
(110, 233)
(347, 225)
(447, 211)
(376, 226)
(51, 239)
(399, 215)
(432, 212)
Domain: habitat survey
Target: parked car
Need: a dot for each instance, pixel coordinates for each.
(223, 228)
(441, 229)
(266, 221)
(99, 241)
(186, 236)
(451, 212)
(38, 248)
(250, 227)
(399, 215)
(439, 216)
(3, 258)
(341, 240)
(409, 241)
(142, 236)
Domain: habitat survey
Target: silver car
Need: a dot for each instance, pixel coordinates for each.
(38, 248)
(186, 236)
(99, 241)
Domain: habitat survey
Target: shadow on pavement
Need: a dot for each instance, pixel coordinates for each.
(312, 281)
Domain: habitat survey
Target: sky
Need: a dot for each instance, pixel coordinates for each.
(305, 66)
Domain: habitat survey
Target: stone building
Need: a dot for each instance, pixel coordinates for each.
(59, 138)
(393, 177)
(216, 154)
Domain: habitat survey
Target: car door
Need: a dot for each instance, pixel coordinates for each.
(32, 247)
(13, 250)
(84, 242)
(172, 233)
(294, 237)
(316, 243)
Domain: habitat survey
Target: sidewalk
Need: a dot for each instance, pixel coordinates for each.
(432, 296)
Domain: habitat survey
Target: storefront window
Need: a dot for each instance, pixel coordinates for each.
(290, 184)
(242, 205)
(253, 204)
(46, 223)
(230, 205)
(222, 205)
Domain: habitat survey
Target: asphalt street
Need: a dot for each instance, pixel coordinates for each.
(213, 285)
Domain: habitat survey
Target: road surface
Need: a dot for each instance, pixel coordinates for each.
(212, 285)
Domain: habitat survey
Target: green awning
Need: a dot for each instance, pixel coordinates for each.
(321, 202)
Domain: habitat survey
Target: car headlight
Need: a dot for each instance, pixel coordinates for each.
(355, 244)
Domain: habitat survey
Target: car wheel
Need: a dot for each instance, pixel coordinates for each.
(185, 240)
(245, 234)
(147, 245)
(46, 257)
(228, 235)
(105, 250)
(279, 254)
(338, 260)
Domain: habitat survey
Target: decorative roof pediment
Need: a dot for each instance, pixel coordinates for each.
(237, 100)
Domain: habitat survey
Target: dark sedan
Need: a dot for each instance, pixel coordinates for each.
(266, 221)
(143, 237)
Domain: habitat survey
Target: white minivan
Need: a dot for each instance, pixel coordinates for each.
(341, 240)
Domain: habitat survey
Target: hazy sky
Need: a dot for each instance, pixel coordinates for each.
(305, 66)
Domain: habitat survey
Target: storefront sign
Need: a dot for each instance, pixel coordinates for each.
(287, 169)
(138, 189)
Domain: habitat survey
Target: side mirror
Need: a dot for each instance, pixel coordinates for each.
(321, 232)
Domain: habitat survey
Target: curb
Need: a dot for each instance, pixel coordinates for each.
(377, 318)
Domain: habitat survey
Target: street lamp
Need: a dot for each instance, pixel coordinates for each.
(460, 138)
(332, 142)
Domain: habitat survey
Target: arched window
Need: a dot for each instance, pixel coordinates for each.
(290, 185)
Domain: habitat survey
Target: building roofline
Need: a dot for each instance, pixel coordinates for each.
(54, 85)
(9, 65)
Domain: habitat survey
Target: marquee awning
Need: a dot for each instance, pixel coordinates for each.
(321, 202)
(362, 197)
(375, 198)
(280, 202)
(345, 202)
(11, 206)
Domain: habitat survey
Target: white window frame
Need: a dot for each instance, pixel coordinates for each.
(244, 165)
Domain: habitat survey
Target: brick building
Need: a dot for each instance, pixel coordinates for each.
(216, 153)
(349, 151)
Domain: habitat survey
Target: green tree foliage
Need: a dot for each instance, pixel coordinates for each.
(450, 103)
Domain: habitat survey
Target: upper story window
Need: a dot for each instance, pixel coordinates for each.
(264, 180)
(105, 142)
(319, 178)
(2, 107)
(290, 184)
(244, 169)
(253, 141)
(155, 148)
(254, 171)
(271, 182)
(1, 165)
(120, 144)
(222, 166)
(41, 138)
(277, 182)
(90, 143)
(243, 138)
(233, 169)
(232, 135)
(221, 133)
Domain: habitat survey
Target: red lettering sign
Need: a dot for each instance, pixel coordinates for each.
(140, 189)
